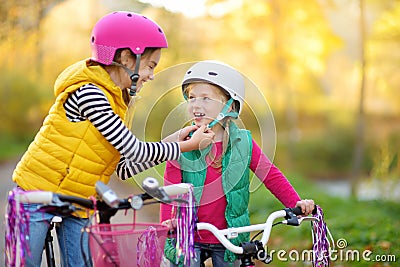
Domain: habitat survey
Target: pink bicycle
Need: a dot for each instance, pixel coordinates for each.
(111, 244)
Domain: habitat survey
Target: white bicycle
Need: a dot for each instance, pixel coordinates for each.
(257, 248)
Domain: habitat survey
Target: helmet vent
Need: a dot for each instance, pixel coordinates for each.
(189, 72)
(129, 15)
(213, 73)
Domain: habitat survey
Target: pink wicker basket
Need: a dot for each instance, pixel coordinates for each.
(127, 245)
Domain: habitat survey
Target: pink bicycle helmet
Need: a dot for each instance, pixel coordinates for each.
(124, 30)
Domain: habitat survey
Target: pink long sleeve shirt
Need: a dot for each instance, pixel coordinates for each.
(213, 202)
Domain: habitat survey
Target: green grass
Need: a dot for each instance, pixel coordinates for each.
(10, 148)
(364, 225)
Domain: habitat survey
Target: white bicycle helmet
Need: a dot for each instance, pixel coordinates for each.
(217, 73)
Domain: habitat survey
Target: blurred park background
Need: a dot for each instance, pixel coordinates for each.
(328, 68)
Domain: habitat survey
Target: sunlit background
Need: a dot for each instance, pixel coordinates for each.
(328, 69)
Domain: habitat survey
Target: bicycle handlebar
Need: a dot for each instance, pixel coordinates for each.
(150, 186)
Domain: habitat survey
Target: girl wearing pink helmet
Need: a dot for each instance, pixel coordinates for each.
(84, 139)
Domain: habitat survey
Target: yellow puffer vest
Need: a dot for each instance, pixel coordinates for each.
(70, 157)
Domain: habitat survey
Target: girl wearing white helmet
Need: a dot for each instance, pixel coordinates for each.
(84, 139)
(220, 172)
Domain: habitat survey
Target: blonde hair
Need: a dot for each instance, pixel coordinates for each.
(216, 163)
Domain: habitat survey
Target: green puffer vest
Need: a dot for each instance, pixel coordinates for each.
(235, 179)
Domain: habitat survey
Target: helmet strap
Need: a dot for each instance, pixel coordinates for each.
(224, 113)
(133, 75)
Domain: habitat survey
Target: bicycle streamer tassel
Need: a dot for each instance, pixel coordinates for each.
(148, 248)
(186, 220)
(321, 237)
(17, 231)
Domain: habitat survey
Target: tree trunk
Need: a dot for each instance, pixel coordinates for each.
(360, 125)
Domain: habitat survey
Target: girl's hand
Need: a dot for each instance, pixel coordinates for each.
(171, 224)
(181, 135)
(200, 139)
(184, 132)
(306, 205)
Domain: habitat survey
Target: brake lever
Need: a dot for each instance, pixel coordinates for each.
(291, 218)
(57, 207)
(299, 220)
(308, 218)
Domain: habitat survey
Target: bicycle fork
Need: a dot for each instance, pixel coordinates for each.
(48, 245)
(255, 250)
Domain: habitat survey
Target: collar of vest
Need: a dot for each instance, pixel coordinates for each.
(82, 73)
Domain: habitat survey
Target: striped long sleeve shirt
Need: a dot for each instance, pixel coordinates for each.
(90, 103)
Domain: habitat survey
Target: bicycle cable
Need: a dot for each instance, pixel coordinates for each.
(260, 232)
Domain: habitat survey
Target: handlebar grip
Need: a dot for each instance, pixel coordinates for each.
(151, 185)
(297, 210)
(176, 189)
(35, 197)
